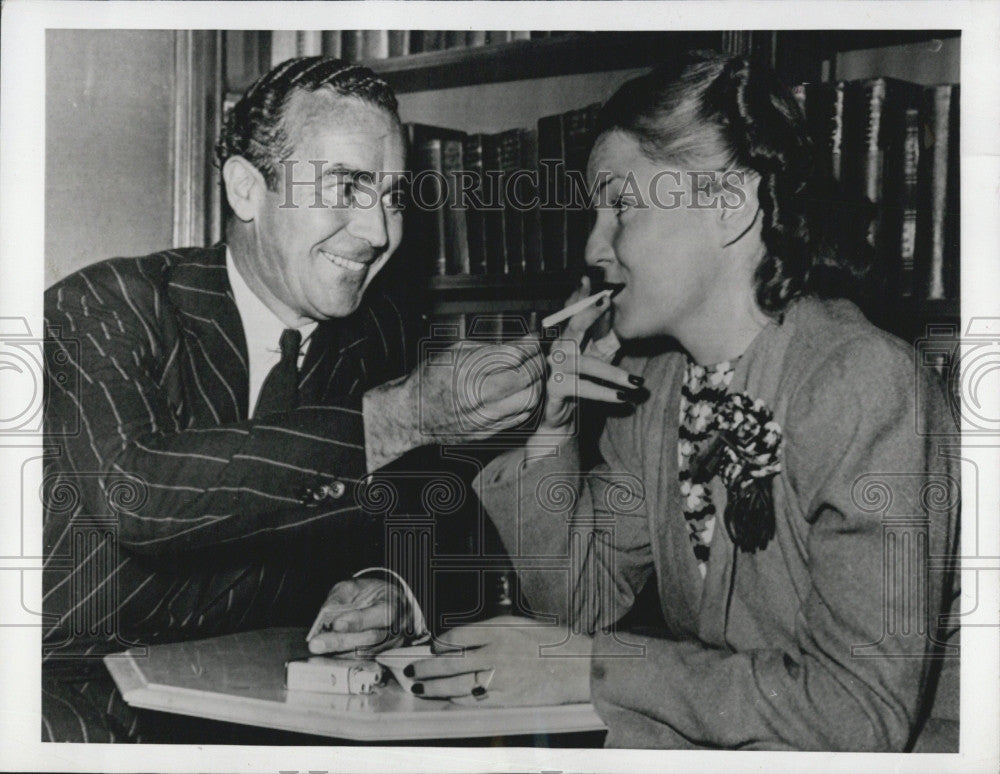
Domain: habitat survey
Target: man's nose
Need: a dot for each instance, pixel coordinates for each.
(368, 222)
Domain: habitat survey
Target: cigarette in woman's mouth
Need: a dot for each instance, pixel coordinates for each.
(564, 314)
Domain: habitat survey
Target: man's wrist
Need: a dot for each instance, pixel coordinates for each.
(391, 417)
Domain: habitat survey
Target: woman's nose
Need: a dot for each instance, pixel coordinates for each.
(599, 251)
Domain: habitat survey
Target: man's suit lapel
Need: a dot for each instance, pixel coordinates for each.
(334, 367)
(214, 344)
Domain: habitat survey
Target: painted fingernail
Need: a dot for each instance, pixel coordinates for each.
(620, 395)
(418, 688)
(478, 691)
(638, 381)
(408, 671)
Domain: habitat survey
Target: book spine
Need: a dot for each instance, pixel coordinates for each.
(475, 215)
(908, 203)
(933, 185)
(353, 45)
(283, 46)
(308, 43)
(837, 132)
(552, 192)
(857, 131)
(427, 219)
(898, 141)
(375, 44)
(872, 168)
(509, 162)
(496, 246)
(333, 44)
(399, 43)
(456, 236)
(953, 196)
(527, 196)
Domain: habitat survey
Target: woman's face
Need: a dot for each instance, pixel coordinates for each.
(660, 238)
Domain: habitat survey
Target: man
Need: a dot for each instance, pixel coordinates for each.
(220, 410)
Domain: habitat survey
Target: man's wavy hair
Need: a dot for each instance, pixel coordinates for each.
(707, 111)
(256, 129)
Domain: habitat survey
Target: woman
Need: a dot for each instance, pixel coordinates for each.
(760, 485)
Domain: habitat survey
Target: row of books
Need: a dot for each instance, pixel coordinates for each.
(890, 142)
(509, 202)
(355, 45)
(896, 144)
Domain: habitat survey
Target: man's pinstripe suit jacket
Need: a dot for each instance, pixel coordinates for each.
(208, 521)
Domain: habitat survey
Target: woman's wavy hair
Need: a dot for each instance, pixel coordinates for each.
(708, 111)
(256, 127)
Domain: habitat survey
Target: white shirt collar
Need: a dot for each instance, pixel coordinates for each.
(262, 328)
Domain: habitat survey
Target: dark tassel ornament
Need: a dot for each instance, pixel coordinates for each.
(749, 517)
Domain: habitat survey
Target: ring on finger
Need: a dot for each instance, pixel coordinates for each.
(482, 680)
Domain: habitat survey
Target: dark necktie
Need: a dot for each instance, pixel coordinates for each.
(280, 391)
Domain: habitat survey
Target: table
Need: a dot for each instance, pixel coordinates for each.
(239, 678)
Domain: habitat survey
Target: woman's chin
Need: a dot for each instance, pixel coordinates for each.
(627, 328)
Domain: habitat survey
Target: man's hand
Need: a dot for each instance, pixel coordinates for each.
(467, 392)
(364, 613)
(501, 663)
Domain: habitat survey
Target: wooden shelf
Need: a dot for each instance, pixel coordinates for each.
(584, 52)
(909, 318)
(944, 309)
(492, 293)
(540, 285)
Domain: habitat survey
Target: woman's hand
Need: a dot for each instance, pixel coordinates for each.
(573, 375)
(361, 613)
(502, 663)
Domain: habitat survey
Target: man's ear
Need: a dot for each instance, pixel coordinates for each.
(245, 187)
(738, 204)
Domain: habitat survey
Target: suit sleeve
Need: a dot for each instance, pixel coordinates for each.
(852, 682)
(178, 487)
(589, 530)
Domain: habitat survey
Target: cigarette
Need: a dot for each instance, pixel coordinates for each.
(564, 314)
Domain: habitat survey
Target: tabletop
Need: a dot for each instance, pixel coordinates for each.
(239, 678)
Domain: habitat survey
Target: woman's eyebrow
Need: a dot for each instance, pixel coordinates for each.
(599, 189)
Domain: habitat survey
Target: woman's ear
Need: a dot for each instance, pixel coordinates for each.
(738, 204)
(245, 187)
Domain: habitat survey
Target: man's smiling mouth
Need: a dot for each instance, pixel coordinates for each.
(344, 263)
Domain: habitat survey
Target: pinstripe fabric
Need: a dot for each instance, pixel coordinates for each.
(201, 527)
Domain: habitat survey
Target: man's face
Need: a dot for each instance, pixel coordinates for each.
(316, 251)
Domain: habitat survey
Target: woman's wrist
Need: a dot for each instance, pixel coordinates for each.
(547, 436)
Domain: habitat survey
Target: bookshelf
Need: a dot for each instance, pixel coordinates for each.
(504, 85)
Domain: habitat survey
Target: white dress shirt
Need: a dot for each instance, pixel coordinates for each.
(262, 328)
